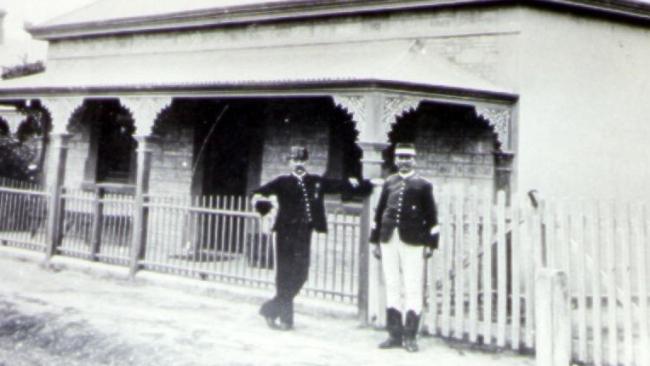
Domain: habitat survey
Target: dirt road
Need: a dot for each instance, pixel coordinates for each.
(69, 313)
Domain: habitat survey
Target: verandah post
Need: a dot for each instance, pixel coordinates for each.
(369, 112)
(60, 110)
(145, 110)
(372, 164)
(140, 214)
(55, 215)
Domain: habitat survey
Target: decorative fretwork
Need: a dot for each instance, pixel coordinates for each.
(145, 110)
(361, 107)
(397, 106)
(14, 119)
(354, 105)
(366, 108)
(499, 119)
(61, 109)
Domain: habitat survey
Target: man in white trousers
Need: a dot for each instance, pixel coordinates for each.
(406, 233)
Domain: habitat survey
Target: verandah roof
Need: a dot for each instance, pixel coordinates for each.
(402, 62)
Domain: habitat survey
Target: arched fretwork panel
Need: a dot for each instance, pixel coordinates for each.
(454, 146)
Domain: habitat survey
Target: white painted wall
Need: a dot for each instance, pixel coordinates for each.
(584, 111)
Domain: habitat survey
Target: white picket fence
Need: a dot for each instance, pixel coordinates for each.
(481, 282)
(603, 249)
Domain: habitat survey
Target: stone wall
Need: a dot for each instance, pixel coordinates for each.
(78, 157)
(451, 160)
(172, 162)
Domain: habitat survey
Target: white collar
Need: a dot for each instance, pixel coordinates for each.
(407, 175)
(299, 176)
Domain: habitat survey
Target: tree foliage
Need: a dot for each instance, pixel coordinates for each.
(16, 159)
(22, 153)
(24, 69)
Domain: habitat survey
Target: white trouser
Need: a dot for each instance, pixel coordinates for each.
(403, 267)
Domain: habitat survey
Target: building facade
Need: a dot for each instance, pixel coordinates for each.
(512, 96)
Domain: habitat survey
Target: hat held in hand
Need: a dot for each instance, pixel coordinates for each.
(263, 207)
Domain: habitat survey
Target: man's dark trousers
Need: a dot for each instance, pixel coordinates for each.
(293, 252)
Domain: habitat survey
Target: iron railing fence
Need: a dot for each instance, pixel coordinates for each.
(96, 226)
(23, 215)
(222, 238)
(210, 237)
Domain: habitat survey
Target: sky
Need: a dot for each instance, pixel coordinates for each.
(18, 43)
(34, 11)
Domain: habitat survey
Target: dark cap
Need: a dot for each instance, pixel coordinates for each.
(405, 148)
(298, 153)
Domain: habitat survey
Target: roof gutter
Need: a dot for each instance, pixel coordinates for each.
(224, 90)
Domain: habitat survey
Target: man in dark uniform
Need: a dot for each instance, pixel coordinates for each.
(406, 232)
(300, 211)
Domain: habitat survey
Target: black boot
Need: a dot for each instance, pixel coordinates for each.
(411, 326)
(269, 312)
(395, 329)
(286, 315)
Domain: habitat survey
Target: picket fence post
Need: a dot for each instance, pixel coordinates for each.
(553, 339)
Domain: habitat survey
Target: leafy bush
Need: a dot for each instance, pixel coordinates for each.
(27, 68)
(16, 159)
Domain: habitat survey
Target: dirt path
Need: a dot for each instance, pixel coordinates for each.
(66, 316)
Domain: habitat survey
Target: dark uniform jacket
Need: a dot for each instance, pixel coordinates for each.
(292, 208)
(408, 205)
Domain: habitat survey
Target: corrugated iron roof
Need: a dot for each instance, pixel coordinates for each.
(127, 16)
(396, 61)
(123, 9)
